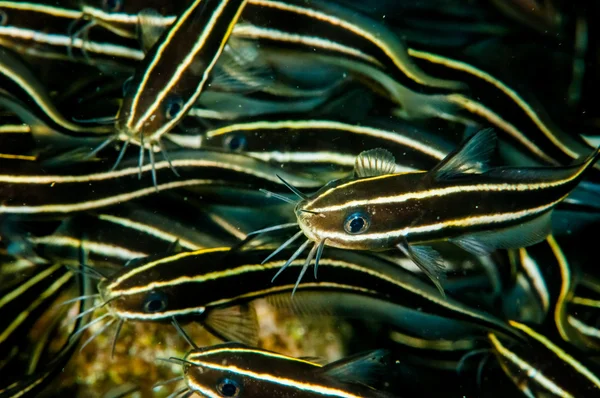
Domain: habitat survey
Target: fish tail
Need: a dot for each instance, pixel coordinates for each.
(590, 160)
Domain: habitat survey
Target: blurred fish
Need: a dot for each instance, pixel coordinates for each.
(510, 110)
(306, 144)
(39, 193)
(40, 30)
(543, 368)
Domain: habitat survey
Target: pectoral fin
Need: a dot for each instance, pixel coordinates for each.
(364, 368)
(427, 259)
(238, 323)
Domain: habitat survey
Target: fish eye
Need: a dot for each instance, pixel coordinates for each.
(235, 142)
(112, 5)
(173, 106)
(228, 388)
(357, 223)
(155, 302)
(3, 18)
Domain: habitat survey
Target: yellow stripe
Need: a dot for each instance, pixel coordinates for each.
(165, 260)
(17, 157)
(586, 301)
(23, 315)
(531, 372)
(161, 48)
(15, 129)
(54, 11)
(29, 283)
(390, 53)
(314, 388)
(95, 247)
(238, 350)
(436, 192)
(456, 223)
(512, 94)
(183, 66)
(94, 204)
(565, 288)
(417, 145)
(558, 352)
(152, 231)
(255, 32)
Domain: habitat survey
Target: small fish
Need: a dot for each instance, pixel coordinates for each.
(173, 75)
(517, 114)
(188, 287)
(24, 85)
(236, 370)
(303, 144)
(543, 368)
(34, 192)
(42, 31)
(461, 200)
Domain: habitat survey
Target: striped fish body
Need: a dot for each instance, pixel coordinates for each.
(443, 204)
(543, 368)
(177, 68)
(43, 194)
(515, 112)
(121, 16)
(192, 286)
(328, 143)
(250, 372)
(42, 30)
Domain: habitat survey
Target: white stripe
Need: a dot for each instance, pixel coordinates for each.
(313, 388)
(255, 32)
(407, 232)
(431, 193)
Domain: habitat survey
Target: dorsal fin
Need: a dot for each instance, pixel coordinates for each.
(149, 30)
(364, 368)
(374, 162)
(471, 157)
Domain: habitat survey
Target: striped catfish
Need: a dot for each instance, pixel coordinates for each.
(236, 370)
(21, 82)
(190, 287)
(122, 16)
(316, 25)
(543, 368)
(36, 192)
(41, 369)
(520, 117)
(23, 303)
(41, 30)
(321, 142)
(174, 74)
(461, 200)
(334, 36)
(546, 272)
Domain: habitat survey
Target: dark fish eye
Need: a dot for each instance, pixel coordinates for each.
(3, 18)
(228, 388)
(155, 302)
(112, 5)
(173, 106)
(356, 223)
(236, 142)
